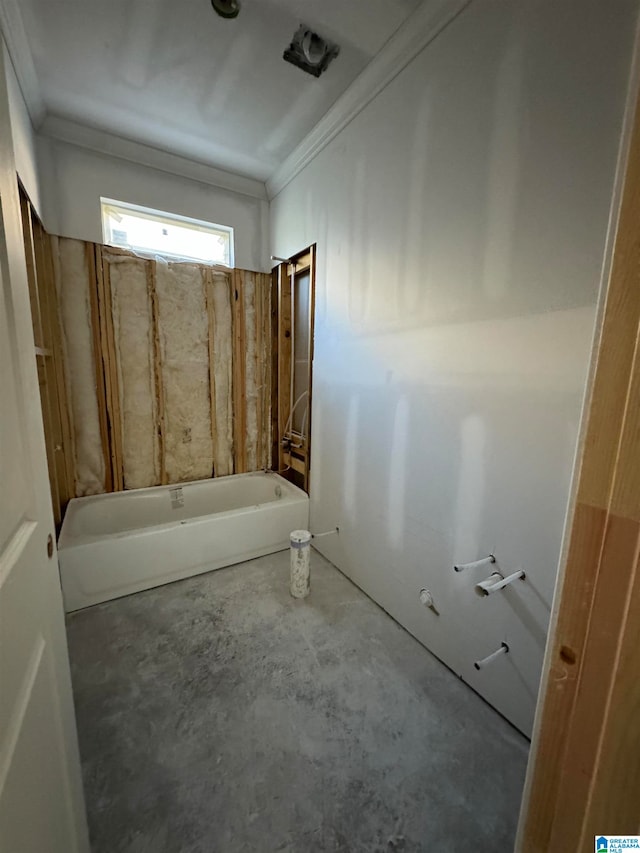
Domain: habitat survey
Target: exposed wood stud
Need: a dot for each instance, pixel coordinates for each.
(207, 280)
(287, 277)
(239, 375)
(284, 357)
(101, 379)
(62, 392)
(312, 318)
(294, 462)
(266, 370)
(109, 359)
(54, 369)
(40, 303)
(274, 319)
(258, 371)
(27, 231)
(157, 368)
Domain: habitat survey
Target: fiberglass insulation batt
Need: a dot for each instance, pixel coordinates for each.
(184, 356)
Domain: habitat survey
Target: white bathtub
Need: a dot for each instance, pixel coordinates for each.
(116, 544)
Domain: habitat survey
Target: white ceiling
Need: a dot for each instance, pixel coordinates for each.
(174, 75)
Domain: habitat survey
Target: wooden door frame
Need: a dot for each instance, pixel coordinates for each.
(584, 773)
(282, 298)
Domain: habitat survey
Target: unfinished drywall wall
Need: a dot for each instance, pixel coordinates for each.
(24, 138)
(75, 178)
(157, 389)
(74, 281)
(183, 326)
(460, 221)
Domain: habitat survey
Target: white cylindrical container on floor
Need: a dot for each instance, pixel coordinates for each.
(300, 563)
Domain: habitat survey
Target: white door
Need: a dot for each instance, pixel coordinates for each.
(41, 802)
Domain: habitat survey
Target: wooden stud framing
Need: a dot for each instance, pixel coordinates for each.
(62, 394)
(99, 365)
(107, 368)
(49, 357)
(312, 319)
(56, 388)
(275, 415)
(27, 231)
(263, 353)
(239, 373)
(585, 771)
(207, 279)
(258, 373)
(46, 371)
(296, 463)
(297, 456)
(266, 355)
(157, 368)
(284, 357)
(108, 352)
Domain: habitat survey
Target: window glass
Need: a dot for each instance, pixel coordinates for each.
(156, 232)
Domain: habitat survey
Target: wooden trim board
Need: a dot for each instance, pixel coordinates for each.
(585, 766)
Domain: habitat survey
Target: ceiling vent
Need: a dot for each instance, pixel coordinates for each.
(310, 51)
(226, 8)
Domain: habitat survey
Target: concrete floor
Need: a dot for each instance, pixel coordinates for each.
(218, 715)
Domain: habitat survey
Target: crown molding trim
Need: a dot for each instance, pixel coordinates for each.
(420, 28)
(102, 142)
(15, 38)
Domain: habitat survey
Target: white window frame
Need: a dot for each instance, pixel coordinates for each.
(164, 216)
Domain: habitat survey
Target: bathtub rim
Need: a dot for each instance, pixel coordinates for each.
(68, 541)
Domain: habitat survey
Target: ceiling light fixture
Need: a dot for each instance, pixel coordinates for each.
(226, 8)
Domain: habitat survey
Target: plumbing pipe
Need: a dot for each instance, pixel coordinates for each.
(336, 530)
(503, 650)
(497, 582)
(293, 408)
(486, 586)
(485, 562)
(427, 600)
(300, 553)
